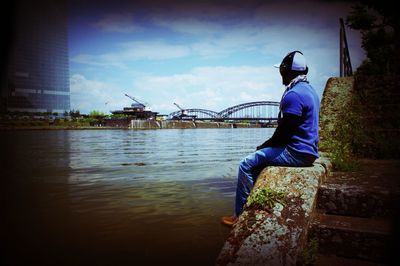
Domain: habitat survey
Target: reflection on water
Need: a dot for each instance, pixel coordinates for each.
(119, 196)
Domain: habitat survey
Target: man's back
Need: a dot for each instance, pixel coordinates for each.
(302, 101)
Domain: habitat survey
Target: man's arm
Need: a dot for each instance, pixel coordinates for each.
(285, 130)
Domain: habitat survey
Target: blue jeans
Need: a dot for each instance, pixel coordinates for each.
(251, 166)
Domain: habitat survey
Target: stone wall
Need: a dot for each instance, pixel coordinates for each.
(335, 100)
(276, 236)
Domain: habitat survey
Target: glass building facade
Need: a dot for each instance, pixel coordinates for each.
(38, 69)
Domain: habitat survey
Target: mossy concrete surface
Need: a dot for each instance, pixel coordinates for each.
(276, 236)
(336, 100)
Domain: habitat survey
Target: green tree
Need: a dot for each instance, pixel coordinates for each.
(378, 23)
(74, 113)
(96, 114)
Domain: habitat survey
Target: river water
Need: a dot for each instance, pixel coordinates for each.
(120, 197)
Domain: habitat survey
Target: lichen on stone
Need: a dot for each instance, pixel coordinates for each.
(272, 233)
(277, 209)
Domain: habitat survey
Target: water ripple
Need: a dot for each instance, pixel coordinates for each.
(122, 189)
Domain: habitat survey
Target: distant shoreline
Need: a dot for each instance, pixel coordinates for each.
(175, 125)
(57, 128)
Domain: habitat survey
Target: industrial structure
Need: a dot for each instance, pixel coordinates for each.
(344, 58)
(182, 114)
(137, 110)
(37, 76)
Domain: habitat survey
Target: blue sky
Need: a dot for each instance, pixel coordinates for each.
(204, 54)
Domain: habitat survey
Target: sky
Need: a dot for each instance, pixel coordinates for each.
(198, 54)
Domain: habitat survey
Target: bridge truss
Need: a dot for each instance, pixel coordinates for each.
(261, 111)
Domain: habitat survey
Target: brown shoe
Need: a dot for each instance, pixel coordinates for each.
(229, 220)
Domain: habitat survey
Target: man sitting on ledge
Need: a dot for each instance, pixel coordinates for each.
(295, 140)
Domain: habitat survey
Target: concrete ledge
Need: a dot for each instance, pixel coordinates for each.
(276, 236)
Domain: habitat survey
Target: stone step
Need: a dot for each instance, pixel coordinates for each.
(372, 191)
(367, 239)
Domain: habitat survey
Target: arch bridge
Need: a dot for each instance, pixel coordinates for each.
(260, 111)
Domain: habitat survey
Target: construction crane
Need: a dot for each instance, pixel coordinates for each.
(183, 113)
(137, 110)
(138, 105)
(180, 108)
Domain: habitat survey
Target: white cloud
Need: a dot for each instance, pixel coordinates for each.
(214, 88)
(197, 18)
(189, 25)
(151, 50)
(134, 51)
(221, 34)
(88, 95)
(118, 22)
(222, 31)
(104, 60)
(301, 12)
